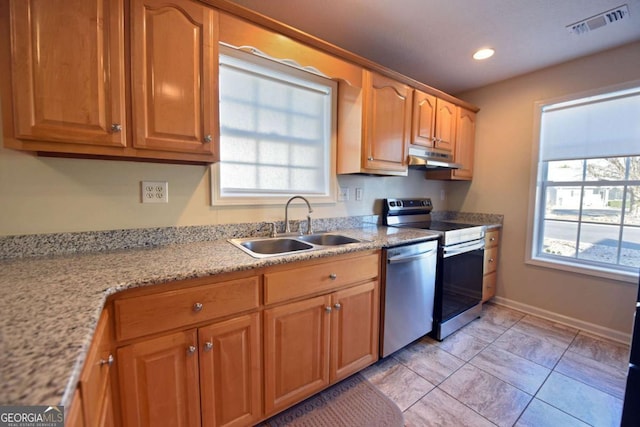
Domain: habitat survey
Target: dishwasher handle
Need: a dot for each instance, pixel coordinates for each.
(401, 258)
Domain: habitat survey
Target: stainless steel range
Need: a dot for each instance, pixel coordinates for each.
(458, 292)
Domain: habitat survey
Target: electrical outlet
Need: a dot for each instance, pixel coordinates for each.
(343, 194)
(155, 191)
(359, 194)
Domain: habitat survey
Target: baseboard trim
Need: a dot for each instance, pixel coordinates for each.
(592, 328)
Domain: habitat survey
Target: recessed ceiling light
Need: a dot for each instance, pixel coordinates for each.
(483, 54)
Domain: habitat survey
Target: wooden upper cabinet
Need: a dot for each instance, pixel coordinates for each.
(433, 121)
(387, 124)
(174, 47)
(423, 119)
(68, 71)
(465, 144)
(445, 129)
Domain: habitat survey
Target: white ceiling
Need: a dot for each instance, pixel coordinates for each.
(432, 40)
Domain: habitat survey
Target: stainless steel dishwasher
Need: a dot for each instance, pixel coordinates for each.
(408, 294)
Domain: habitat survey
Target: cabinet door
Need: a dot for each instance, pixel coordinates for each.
(354, 329)
(174, 70)
(68, 71)
(423, 119)
(388, 124)
(231, 372)
(445, 125)
(465, 143)
(159, 381)
(296, 351)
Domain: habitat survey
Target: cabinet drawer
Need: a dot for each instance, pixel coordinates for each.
(298, 282)
(164, 311)
(489, 286)
(490, 260)
(491, 238)
(95, 374)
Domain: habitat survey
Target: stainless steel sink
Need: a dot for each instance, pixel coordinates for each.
(263, 247)
(328, 239)
(275, 246)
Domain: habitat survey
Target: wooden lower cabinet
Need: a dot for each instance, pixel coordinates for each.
(210, 376)
(490, 270)
(312, 343)
(296, 338)
(159, 381)
(231, 372)
(354, 330)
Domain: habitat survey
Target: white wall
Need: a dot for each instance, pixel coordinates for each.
(502, 181)
(51, 195)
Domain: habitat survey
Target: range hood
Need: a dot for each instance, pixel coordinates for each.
(431, 158)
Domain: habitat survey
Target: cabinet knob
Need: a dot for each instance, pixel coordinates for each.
(337, 306)
(370, 159)
(492, 239)
(490, 259)
(192, 349)
(208, 346)
(207, 138)
(197, 307)
(333, 276)
(116, 127)
(108, 361)
(328, 309)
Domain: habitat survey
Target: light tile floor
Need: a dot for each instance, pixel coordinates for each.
(507, 369)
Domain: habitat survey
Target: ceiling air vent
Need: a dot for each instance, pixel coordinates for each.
(597, 21)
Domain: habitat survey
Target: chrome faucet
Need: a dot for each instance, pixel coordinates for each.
(287, 229)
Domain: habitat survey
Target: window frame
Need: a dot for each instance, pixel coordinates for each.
(280, 198)
(537, 197)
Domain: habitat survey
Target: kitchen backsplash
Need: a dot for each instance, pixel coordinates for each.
(34, 245)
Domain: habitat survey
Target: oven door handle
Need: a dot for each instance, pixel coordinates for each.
(399, 259)
(459, 249)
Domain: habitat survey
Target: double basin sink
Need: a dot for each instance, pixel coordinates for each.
(263, 247)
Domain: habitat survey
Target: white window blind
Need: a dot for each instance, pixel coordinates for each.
(276, 131)
(602, 126)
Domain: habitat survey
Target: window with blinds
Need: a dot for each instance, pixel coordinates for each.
(277, 132)
(587, 206)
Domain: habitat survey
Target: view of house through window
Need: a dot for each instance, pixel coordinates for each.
(588, 195)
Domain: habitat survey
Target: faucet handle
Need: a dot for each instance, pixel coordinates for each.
(274, 230)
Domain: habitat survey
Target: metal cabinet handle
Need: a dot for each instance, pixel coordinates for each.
(108, 361)
(337, 306)
(333, 276)
(327, 309)
(192, 349)
(208, 346)
(207, 138)
(197, 307)
(116, 127)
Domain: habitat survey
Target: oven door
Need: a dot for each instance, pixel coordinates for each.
(461, 278)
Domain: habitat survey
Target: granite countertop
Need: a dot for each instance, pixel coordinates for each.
(50, 305)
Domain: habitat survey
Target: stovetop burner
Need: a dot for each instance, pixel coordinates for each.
(416, 213)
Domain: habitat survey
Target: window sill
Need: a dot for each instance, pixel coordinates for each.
(621, 276)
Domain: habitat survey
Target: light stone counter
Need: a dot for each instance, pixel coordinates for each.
(50, 305)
